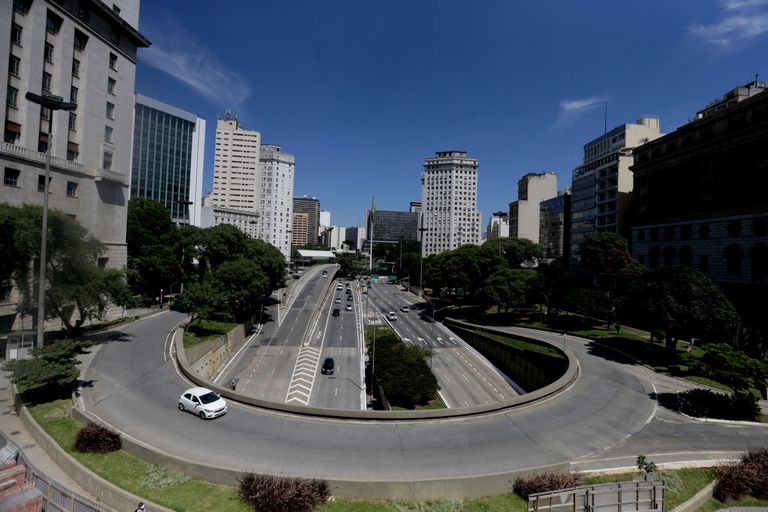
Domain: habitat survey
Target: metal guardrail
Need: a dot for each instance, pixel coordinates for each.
(639, 495)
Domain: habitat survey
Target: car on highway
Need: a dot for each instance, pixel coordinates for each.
(349, 291)
(327, 368)
(348, 308)
(336, 311)
(325, 273)
(405, 309)
(349, 298)
(339, 286)
(203, 402)
(337, 300)
(391, 316)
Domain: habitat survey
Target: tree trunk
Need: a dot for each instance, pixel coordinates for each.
(671, 343)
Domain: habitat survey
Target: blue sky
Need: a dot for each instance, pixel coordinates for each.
(361, 91)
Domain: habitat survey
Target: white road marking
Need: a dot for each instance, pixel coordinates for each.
(303, 378)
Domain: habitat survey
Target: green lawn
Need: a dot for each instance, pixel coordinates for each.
(712, 504)
(522, 344)
(206, 330)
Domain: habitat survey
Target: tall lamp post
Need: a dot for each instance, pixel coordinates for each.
(52, 103)
(422, 229)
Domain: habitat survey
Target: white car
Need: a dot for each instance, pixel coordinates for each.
(339, 286)
(203, 402)
(405, 309)
(391, 316)
(337, 300)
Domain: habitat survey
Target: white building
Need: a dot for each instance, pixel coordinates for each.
(325, 219)
(85, 53)
(601, 190)
(532, 189)
(449, 214)
(498, 226)
(275, 207)
(236, 166)
(247, 222)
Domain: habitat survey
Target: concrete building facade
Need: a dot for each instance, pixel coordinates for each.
(602, 186)
(498, 226)
(449, 217)
(236, 181)
(555, 226)
(247, 222)
(700, 193)
(355, 237)
(391, 226)
(300, 229)
(275, 205)
(532, 189)
(84, 52)
(168, 153)
(311, 207)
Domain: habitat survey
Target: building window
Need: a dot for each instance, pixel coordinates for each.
(686, 256)
(11, 177)
(703, 230)
(80, 41)
(41, 183)
(107, 160)
(13, 66)
(734, 227)
(83, 12)
(73, 94)
(111, 85)
(759, 255)
(73, 151)
(13, 96)
(49, 53)
(16, 34)
(760, 226)
(73, 121)
(42, 143)
(71, 189)
(21, 6)
(53, 23)
(113, 61)
(110, 110)
(108, 134)
(733, 259)
(704, 263)
(75, 68)
(46, 82)
(685, 231)
(114, 35)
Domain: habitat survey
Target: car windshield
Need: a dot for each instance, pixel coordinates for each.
(209, 397)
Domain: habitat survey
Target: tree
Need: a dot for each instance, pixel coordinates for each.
(201, 300)
(509, 288)
(607, 254)
(516, 251)
(52, 366)
(152, 238)
(726, 364)
(242, 286)
(682, 303)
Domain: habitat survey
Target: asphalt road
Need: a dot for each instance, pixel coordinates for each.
(465, 378)
(609, 412)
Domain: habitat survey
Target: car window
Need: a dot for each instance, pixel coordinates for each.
(194, 399)
(209, 398)
(187, 396)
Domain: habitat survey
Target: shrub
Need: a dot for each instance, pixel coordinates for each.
(747, 478)
(267, 493)
(545, 482)
(94, 438)
(705, 403)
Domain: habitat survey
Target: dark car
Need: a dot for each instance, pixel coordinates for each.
(349, 298)
(349, 292)
(327, 368)
(336, 311)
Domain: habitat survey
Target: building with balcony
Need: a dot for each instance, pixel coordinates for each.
(449, 215)
(168, 151)
(532, 189)
(601, 186)
(247, 222)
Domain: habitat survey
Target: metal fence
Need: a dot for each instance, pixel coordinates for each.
(639, 495)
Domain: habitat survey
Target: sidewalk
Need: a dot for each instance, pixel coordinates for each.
(14, 430)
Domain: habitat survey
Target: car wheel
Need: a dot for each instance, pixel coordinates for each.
(202, 415)
(181, 406)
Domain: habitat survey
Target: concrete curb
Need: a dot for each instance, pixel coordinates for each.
(697, 500)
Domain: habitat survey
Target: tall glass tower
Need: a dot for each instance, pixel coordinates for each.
(168, 148)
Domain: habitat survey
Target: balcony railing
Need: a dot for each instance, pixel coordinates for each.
(114, 177)
(36, 156)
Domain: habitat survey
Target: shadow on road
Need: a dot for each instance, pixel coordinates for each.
(609, 354)
(666, 400)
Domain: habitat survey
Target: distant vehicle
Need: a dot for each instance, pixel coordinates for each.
(349, 298)
(327, 368)
(405, 309)
(325, 273)
(296, 276)
(348, 307)
(202, 402)
(391, 316)
(337, 300)
(336, 311)
(349, 292)
(339, 286)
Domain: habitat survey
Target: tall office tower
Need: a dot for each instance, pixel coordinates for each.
(325, 219)
(555, 226)
(168, 150)
(236, 166)
(311, 207)
(354, 237)
(601, 187)
(275, 205)
(498, 226)
(700, 196)
(299, 229)
(449, 214)
(86, 53)
(389, 226)
(532, 189)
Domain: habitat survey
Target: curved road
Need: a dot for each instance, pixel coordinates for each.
(608, 412)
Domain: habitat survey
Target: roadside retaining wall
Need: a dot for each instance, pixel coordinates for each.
(531, 370)
(206, 359)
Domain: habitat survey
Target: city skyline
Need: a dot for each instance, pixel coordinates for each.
(367, 94)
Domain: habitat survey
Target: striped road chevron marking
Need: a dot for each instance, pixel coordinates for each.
(303, 377)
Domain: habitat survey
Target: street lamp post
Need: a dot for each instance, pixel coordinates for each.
(422, 229)
(52, 103)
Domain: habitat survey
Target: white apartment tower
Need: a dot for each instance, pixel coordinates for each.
(236, 166)
(275, 205)
(84, 52)
(532, 189)
(449, 215)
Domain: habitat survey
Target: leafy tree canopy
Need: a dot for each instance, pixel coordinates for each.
(51, 366)
(151, 237)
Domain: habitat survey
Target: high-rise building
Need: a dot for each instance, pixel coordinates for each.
(325, 219)
(555, 226)
(532, 189)
(450, 217)
(700, 196)
(354, 237)
(390, 226)
(414, 207)
(168, 150)
(275, 205)
(300, 229)
(311, 207)
(498, 226)
(602, 186)
(236, 184)
(84, 52)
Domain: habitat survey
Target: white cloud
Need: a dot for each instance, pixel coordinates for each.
(571, 110)
(176, 52)
(737, 5)
(732, 29)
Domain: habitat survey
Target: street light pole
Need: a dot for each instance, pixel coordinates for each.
(52, 103)
(422, 229)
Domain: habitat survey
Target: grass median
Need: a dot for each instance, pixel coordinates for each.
(206, 330)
